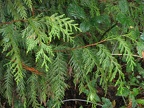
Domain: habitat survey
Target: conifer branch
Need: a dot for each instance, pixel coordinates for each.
(56, 43)
(13, 21)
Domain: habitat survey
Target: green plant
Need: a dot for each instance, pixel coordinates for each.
(46, 43)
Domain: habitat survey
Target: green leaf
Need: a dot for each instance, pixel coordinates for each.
(142, 36)
(140, 101)
(140, 48)
(107, 103)
(85, 26)
(124, 20)
(76, 11)
(124, 92)
(135, 91)
(123, 5)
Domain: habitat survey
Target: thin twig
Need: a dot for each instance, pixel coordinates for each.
(21, 20)
(127, 55)
(114, 47)
(81, 47)
(124, 100)
(82, 100)
(108, 30)
(31, 69)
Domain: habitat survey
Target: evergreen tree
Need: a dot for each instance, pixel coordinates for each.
(45, 43)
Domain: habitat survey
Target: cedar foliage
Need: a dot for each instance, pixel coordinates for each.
(45, 43)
